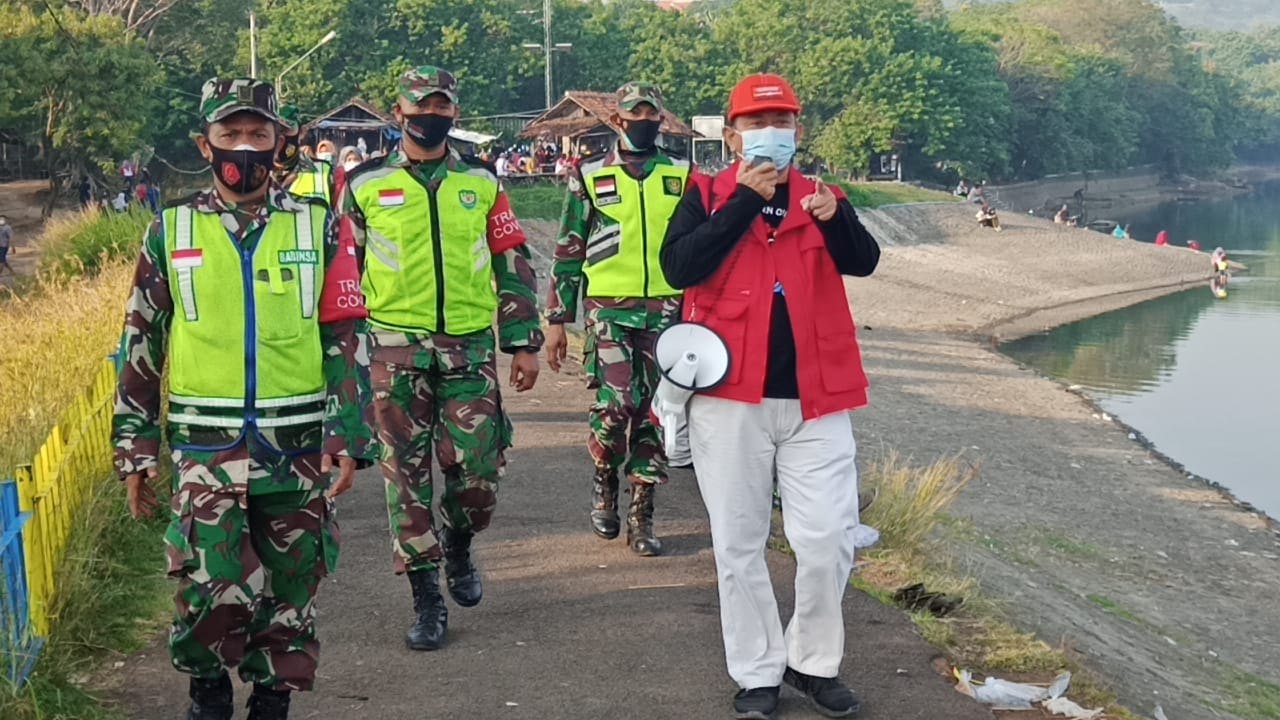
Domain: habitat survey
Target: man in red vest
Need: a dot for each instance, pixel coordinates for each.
(760, 250)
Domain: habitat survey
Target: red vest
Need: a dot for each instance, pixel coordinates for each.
(737, 302)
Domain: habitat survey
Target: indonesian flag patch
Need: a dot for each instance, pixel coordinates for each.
(192, 258)
(390, 198)
(606, 186)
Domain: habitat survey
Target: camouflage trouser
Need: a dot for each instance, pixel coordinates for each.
(620, 365)
(442, 391)
(248, 565)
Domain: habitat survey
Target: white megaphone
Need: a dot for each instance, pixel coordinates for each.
(691, 358)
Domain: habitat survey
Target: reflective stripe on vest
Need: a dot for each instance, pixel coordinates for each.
(623, 249)
(245, 335)
(428, 267)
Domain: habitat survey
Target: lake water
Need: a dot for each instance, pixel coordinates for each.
(1200, 377)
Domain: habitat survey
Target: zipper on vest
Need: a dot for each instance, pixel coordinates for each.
(250, 334)
(438, 251)
(644, 237)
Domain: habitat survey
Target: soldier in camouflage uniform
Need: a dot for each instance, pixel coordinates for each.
(615, 218)
(294, 170)
(440, 252)
(266, 383)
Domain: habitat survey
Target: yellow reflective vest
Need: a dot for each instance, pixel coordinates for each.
(428, 267)
(622, 250)
(245, 334)
(314, 183)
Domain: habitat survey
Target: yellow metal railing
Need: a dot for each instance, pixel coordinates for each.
(75, 457)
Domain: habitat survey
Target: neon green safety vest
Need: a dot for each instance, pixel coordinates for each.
(246, 332)
(428, 268)
(622, 251)
(316, 183)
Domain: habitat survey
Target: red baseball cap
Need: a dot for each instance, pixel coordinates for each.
(758, 93)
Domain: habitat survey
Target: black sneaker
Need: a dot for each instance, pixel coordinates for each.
(756, 703)
(828, 696)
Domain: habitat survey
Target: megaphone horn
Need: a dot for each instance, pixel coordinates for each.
(692, 356)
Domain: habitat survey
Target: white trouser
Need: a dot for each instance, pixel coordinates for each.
(736, 447)
(681, 455)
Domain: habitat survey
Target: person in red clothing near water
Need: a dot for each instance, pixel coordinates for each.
(759, 251)
(1162, 237)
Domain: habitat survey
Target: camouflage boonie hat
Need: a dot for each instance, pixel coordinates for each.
(634, 93)
(291, 116)
(427, 80)
(222, 98)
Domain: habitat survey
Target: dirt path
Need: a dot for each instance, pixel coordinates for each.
(571, 627)
(20, 204)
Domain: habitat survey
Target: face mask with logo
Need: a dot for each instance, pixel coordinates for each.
(242, 169)
(287, 160)
(777, 144)
(428, 130)
(640, 135)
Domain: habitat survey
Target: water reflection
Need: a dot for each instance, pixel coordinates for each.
(1197, 375)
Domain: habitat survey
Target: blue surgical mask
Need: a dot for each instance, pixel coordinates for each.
(778, 144)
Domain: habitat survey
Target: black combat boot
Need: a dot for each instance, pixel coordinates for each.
(640, 522)
(431, 627)
(604, 507)
(268, 704)
(460, 573)
(211, 699)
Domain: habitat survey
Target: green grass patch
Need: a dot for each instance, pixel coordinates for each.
(81, 244)
(876, 194)
(114, 598)
(1074, 548)
(1114, 608)
(536, 200)
(1248, 696)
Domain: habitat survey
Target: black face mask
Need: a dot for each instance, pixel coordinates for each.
(242, 171)
(642, 134)
(287, 160)
(430, 130)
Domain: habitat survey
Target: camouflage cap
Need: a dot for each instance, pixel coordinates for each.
(427, 80)
(634, 93)
(291, 116)
(222, 98)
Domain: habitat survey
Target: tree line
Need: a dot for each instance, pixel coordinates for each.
(991, 92)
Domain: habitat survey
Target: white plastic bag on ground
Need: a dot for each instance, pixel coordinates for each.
(1063, 706)
(1001, 693)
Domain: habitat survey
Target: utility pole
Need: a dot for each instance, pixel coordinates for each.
(546, 45)
(253, 45)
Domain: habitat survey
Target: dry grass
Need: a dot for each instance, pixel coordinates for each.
(910, 501)
(57, 330)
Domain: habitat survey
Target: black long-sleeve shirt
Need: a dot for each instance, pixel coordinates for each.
(697, 244)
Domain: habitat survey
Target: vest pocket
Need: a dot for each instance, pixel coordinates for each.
(840, 362)
(727, 317)
(277, 303)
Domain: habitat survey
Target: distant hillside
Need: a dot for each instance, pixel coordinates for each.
(1218, 14)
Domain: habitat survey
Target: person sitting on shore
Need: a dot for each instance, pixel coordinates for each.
(1063, 216)
(1193, 245)
(1162, 238)
(988, 217)
(1121, 232)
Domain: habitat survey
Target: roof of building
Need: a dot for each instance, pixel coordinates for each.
(580, 112)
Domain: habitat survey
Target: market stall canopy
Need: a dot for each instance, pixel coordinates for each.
(582, 112)
(358, 114)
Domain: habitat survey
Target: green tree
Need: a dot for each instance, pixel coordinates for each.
(79, 88)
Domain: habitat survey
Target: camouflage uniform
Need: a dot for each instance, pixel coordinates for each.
(620, 331)
(251, 533)
(435, 389)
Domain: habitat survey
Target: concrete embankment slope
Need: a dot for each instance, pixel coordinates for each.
(941, 272)
(1157, 581)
